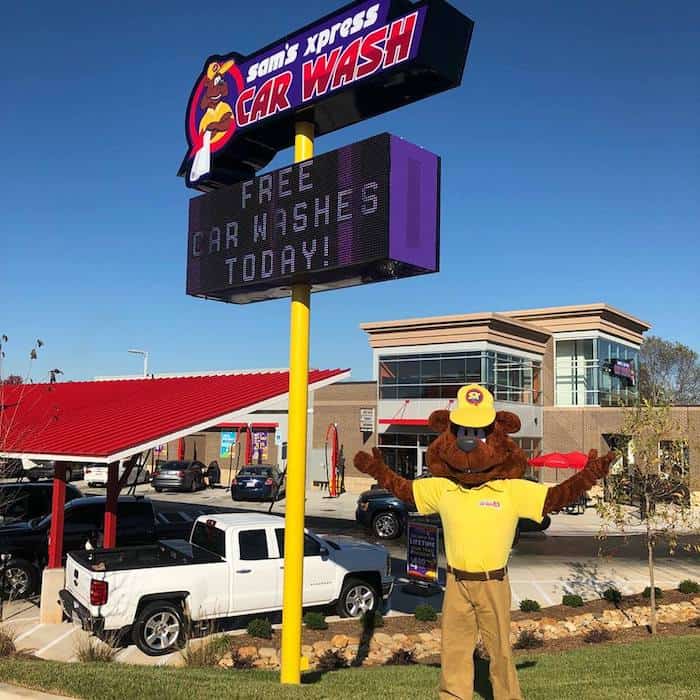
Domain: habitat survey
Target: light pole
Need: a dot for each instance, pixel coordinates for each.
(145, 359)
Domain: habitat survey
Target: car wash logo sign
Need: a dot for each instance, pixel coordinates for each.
(235, 93)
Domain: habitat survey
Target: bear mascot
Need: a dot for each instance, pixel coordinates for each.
(477, 488)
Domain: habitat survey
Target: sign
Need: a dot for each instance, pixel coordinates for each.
(278, 438)
(363, 60)
(422, 555)
(260, 445)
(367, 422)
(624, 369)
(363, 213)
(228, 440)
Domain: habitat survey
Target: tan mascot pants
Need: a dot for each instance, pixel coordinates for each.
(471, 607)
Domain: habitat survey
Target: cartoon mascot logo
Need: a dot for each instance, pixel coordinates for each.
(210, 119)
(474, 397)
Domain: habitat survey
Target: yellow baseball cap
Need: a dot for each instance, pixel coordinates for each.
(474, 407)
(217, 68)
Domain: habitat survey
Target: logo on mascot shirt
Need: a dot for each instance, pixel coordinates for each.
(490, 504)
(475, 397)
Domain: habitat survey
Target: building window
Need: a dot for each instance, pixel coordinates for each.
(595, 372)
(440, 376)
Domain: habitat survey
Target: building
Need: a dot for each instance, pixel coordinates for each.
(566, 371)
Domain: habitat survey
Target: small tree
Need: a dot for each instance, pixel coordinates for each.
(656, 481)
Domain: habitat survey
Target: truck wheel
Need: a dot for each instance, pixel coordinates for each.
(386, 525)
(20, 579)
(159, 629)
(158, 489)
(356, 598)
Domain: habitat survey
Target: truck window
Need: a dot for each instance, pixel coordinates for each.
(252, 544)
(210, 538)
(311, 547)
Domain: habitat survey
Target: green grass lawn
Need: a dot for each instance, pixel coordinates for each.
(664, 668)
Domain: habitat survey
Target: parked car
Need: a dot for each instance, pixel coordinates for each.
(179, 476)
(27, 542)
(387, 516)
(96, 475)
(231, 566)
(22, 502)
(34, 471)
(11, 468)
(257, 482)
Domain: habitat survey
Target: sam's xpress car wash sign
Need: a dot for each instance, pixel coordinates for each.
(363, 213)
(363, 60)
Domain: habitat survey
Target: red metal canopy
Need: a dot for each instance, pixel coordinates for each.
(105, 421)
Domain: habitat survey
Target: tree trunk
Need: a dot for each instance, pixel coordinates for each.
(652, 591)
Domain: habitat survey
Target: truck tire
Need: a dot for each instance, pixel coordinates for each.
(386, 525)
(159, 628)
(357, 597)
(21, 579)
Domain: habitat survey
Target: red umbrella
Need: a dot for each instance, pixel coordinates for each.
(557, 460)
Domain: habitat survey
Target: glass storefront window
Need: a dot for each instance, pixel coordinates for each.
(440, 376)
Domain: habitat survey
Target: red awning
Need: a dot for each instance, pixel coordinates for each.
(106, 421)
(403, 421)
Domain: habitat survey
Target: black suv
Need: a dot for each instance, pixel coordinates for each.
(22, 502)
(386, 516)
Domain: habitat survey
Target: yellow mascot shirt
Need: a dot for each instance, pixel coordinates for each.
(479, 523)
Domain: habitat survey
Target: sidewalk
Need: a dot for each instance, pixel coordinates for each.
(12, 692)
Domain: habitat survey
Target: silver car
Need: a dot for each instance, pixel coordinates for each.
(176, 475)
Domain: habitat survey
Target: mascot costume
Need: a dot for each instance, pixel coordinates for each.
(476, 486)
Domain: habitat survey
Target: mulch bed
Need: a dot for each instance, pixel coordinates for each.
(407, 624)
(562, 612)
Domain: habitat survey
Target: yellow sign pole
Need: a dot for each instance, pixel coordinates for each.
(296, 456)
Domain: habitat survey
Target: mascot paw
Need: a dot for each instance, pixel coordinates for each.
(368, 463)
(599, 465)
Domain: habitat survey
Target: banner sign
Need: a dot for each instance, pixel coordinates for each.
(624, 369)
(363, 213)
(422, 555)
(228, 440)
(365, 59)
(260, 446)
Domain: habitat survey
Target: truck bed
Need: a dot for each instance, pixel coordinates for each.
(163, 553)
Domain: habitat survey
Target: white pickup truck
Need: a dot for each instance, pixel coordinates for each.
(232, 565)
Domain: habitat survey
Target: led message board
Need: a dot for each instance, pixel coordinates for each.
(365, 59)
(363, 213)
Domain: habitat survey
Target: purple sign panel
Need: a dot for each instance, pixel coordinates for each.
(378, 54)
(363, 213)
(422, 552)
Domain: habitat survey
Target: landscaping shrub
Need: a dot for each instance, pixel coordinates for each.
(372, 620)
(425, 613)
(315, 621)
(527, 639)
(572, 600)
(331, 660)
(401, 657)
(612, 595)
(260, 627)
(241, 663)
(206, 653)
(689, 586)
(658, 593)
(597, 635)
(7, 643)
(528, 605)
(91, 649)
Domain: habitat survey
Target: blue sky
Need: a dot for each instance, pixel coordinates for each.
(570, 175)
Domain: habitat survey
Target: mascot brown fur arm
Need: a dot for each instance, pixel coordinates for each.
(573, 488)
(387, 478)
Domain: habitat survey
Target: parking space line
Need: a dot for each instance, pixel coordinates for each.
(28, 632)
(56, 641)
